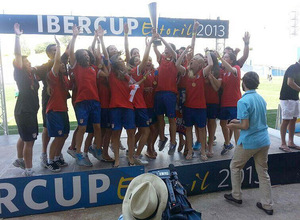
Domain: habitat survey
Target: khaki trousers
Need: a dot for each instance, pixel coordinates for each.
(240, 158)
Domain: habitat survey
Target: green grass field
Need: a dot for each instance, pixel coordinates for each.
(269, 90)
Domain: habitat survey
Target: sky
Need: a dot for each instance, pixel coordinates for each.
(269, 23)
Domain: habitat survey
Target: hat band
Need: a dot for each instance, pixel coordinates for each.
(151, 216)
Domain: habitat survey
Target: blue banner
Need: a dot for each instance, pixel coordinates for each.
(52, 193)
(215, 175)
(62, 25)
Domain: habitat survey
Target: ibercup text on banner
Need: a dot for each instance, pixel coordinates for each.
(138, 27)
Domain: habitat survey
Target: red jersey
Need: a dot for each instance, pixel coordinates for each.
(103, 91)
(149, 89)
(211, 95)
(138, 100)
(58, 93)
(231, 88)
(167, 75)
(119, 90)
(195, 96)
(86, 83)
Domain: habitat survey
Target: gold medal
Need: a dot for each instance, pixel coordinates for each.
(193, 84)
(154, 82)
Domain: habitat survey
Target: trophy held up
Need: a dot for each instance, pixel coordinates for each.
(154, 19)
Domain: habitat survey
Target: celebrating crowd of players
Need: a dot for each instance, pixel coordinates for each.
(109, 93)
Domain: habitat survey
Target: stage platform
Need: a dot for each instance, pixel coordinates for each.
(8, 155)
(84, 187)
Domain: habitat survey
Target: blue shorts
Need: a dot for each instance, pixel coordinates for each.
(57, 124)
(27, 126)
(212, 111)
(88, 109)
(165, 103)
(141, 117)
(228, 113)
(152, 116)
(122, 117)
(89, 126)
(194, 116)
(105, 118)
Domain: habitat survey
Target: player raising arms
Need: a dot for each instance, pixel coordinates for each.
(58, 125)
(26, 107)
(87, 103)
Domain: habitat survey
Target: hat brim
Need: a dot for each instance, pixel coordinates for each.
(160, 187)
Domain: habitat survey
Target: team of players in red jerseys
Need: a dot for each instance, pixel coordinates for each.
(133, 94)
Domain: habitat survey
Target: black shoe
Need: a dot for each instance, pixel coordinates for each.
(53, 167)
(162, 144)
(61, 163)
(230, 198)
(269, 212)
(226, 148)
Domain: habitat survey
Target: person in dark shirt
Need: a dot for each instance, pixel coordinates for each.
(289, 102)
(41, 72)
(26, 107)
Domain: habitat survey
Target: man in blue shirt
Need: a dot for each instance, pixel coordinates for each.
(253, 142)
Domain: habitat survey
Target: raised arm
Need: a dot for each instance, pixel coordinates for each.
(209, 66)
(180, 68)
(194, 33)
(174, 54)
(76, 31)
(98, 54)
(57, 62)
(146, 54)
(227, 66)
(126, 43)
(18, 57)
(157, 53)
(94, 42)
(65, 57)
(246, 40)
(101, 33)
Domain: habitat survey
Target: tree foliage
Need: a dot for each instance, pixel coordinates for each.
(41, 48)
(25, 50)
(65, 40)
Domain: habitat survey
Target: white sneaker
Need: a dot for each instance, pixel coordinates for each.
(44, 160)
(138, 160)
(18, 163)
(72, 152)
(88, 163)
(28, 173)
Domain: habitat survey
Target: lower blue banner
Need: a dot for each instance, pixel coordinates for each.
(284, 168)
(52, 193)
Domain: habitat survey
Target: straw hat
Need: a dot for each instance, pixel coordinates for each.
(146, 196)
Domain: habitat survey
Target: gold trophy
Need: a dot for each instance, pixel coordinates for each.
(154, 19)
